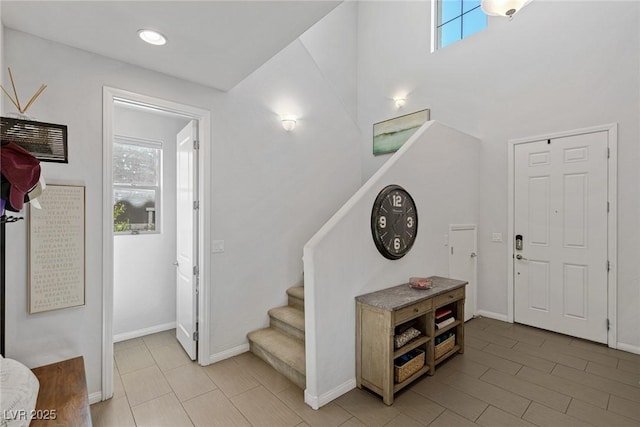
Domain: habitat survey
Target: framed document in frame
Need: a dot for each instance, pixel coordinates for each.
(57, 249)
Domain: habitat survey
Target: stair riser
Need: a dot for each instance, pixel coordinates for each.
(286, 328)
(296, 377)
(296, 302)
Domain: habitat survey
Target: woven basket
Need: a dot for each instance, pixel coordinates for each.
(445, 346)
(403, 372)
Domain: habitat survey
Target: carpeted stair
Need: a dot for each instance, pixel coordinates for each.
(281, 345)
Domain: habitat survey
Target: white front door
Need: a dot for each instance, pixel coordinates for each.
(187, 239)
(463, 263)
(560, 212)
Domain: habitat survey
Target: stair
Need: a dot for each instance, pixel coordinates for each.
(281, 345)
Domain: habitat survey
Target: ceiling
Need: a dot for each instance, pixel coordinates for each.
(213, 43)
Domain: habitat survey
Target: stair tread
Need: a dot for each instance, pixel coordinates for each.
(289, 315)
(296, 292)
(282, 346)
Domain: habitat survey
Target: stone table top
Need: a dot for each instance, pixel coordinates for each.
(400, 296)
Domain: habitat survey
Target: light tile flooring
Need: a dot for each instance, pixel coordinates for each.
(509, 375)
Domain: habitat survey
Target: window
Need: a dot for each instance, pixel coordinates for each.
(137, 174)
(457, 19)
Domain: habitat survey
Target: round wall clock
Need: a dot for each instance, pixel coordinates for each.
(394, 222)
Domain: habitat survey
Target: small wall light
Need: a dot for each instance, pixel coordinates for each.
(399, 102)
(152, 37)
(288, 123)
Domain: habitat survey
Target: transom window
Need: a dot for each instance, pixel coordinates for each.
(137, 174)
(457, 19)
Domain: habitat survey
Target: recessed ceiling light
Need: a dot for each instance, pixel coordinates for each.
(152, 37)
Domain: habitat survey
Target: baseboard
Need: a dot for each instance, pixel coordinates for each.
(228, 353)
(95, 397)
(316, 402)
(142, 332)
(492, 315)
(628, 348)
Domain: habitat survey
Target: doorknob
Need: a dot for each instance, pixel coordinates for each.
(521, 257)
(473, 255)
(176, 263)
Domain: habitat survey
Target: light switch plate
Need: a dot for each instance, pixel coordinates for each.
(218, 246)
(496, 237)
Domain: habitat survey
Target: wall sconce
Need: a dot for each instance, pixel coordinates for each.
(503, 7)
(399, 102)
(288, 123)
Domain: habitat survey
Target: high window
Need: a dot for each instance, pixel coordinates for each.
(457, 19)
(137, 174)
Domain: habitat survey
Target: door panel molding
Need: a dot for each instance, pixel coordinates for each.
(612, 146)
(471, 302)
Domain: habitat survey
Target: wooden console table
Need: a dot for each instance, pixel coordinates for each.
(379, 315)
(63, 390)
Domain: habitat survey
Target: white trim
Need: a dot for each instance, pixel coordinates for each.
(204, 195)
(434, 20)
(612, 226)
(318, 401)
(142, 332)
(612, 243)
(226, 354)
(628, 348)
(492, 315)
(95, 397)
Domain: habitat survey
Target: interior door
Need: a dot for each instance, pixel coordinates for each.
(560, 213)
(187, 239)
(463, 263)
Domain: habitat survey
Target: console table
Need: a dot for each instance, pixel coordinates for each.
(383, 314)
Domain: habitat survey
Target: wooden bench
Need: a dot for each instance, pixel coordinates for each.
(62, 399)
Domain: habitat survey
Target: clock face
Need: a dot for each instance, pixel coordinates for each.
(394, 222)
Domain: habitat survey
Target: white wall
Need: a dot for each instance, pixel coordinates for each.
(556, 66)
(333, 44)
(143, 263)
(341, 260)
(275, 189)
(271, 189)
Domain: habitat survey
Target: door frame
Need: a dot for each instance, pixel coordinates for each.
(463, 227)
(612, 227)
(203, 117)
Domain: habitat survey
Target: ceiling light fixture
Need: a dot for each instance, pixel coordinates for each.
(152, 37)
(503, 7)
(399, 102)
(288, 123)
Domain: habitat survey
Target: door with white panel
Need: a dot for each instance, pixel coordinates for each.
(187, 239)
(560, 217)
(463, 263)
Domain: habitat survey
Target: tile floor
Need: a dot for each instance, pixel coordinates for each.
(509, 375)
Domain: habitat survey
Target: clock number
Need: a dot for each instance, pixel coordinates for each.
(382, 222)
(397, 201)
(410, 222)
(396, 243)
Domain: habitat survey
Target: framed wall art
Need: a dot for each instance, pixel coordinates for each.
(46, 141)
(57, 249)
(390, 135)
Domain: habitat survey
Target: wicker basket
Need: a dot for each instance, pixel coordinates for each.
(403, 372)
(445, 346)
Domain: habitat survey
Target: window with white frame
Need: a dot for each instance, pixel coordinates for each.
(457, 19)
(137, 178)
